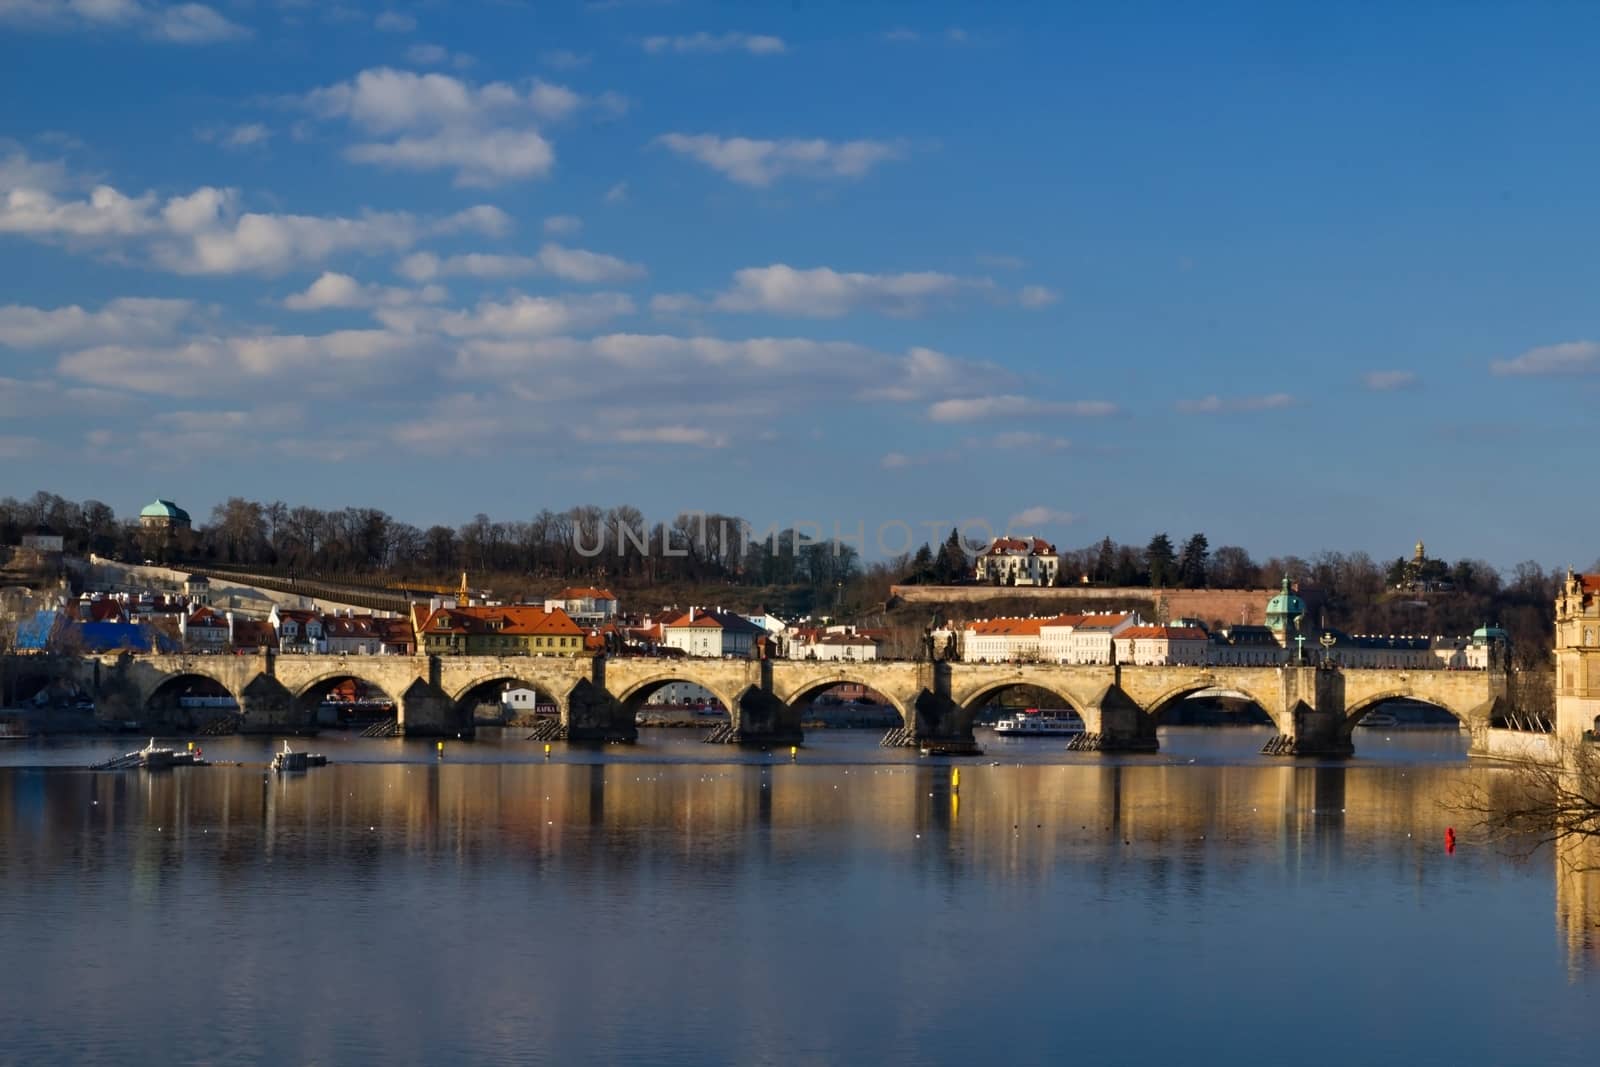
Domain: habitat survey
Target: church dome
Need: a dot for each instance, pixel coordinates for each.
(1284, 608)
(164, 509)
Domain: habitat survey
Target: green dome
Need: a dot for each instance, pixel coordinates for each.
(1484, 634)
(164, 509)
(1284, 608)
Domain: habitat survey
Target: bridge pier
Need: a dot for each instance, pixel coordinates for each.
(268, 708)
(593, 714)
(1123, 726)
(760, 719)
(1311, 717)
(426, 710)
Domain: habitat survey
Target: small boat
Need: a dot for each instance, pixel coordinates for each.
(1037, 722)
(1378, 718)
(12, 730)
(151, 758)
(288, 760)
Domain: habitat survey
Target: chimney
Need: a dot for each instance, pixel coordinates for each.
(691, 613)
(229, 617)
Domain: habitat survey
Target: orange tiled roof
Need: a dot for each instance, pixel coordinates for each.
(1102, 622)
(1038, 546)
(515, 620)
(1171, 633)
(584, 592)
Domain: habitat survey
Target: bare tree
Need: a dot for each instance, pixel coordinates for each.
(1538, 804)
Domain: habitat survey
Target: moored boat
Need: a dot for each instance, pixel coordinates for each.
(288, 760)
(1378, 718)
(1040, 722)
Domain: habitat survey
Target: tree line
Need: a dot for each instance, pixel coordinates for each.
(618, 546)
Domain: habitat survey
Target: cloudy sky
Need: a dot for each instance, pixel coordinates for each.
(1320, 279)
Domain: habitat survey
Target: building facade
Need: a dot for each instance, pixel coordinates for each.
(1018, 561)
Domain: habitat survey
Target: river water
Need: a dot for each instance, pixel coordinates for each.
(676, 903)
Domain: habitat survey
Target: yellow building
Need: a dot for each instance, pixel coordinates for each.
(510, 630)
(1577, 656)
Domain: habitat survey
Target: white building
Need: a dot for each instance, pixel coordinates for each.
(1163, 646)
(1091, 639)
(585, 605)
(203, 630)
(845, 646)
(707, 632)
(1019, 561)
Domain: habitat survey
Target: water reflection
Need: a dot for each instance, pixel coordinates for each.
(528, 900)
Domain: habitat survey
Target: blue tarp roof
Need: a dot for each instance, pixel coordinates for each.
(33, 635)
(115, 636)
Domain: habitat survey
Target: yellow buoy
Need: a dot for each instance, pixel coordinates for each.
(955, 779)
(438, 747)
(191, 746)
(794, 751)
(547, 750)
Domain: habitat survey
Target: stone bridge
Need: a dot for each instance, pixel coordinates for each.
(1314, 708)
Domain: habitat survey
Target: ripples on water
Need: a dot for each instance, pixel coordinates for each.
(675, 903)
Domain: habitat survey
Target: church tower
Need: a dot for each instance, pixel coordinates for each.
(1577, 655)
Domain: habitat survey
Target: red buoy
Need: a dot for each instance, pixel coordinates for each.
(1450, 839)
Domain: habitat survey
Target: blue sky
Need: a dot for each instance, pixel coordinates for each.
(1300, 277)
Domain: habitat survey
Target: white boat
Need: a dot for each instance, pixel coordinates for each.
(1040, 722)
(1378, 718)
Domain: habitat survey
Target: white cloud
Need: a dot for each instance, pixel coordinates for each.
(438, 122)
(205, 232)
(617, 193)
(1039, 515)
(692, 43)
(479, 157)
(246, 135)
(485, 219)
(1213, 404)
(760, 163)
(822, 292)
(18, 446)
(691, 380)
(394, 22)
(434, 55)
(1037, 296)
(519, 316)
(562, 225)
(579, 265)
(895, 461)
(1386, 381)
(553, 260)
(696, 436)
(335, 290)
(191, 24)
(293, 362)
(564, 59)
(123, 319)
(901, 34)
(173, 23)
(969, 409)
(1567, 358)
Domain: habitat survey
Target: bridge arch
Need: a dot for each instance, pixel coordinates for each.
(1354, 712)
(803, 695)
(1167, 700)
(972, 699)
(635, 695)
(190, 695)
(496, 683)
(370, 700)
